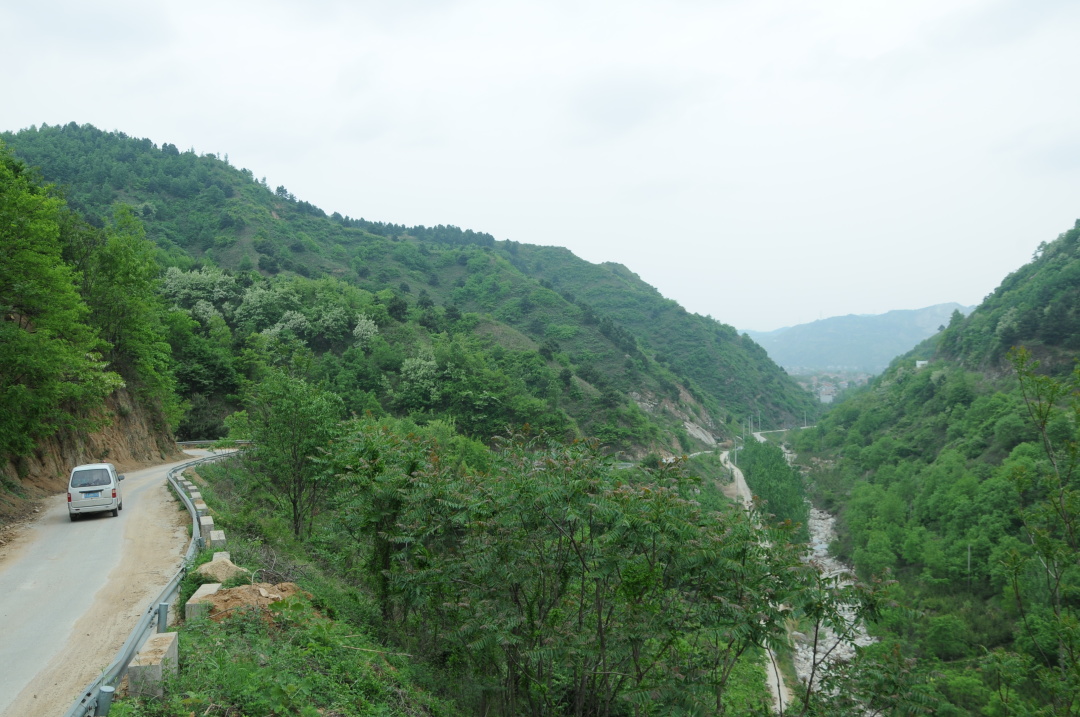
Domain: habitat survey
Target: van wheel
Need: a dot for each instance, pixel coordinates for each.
(121, 505)
(72, 516)
(115, 512)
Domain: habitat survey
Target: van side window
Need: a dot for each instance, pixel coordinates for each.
(89, 478)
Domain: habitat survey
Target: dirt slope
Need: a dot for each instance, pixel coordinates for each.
(134, 439)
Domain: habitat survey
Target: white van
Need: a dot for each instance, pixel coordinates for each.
(93, 488)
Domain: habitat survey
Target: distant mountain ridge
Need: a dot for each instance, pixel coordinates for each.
(864, 342)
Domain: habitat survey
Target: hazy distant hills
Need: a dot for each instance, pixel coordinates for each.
(854, 342)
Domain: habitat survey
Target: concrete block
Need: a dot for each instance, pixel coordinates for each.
(157, 660)
(222, 555)
(217, 539)
(201, 508)
(195, 496)
(197, 606)
(206, 526)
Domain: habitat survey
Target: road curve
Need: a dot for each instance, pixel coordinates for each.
(71, 592)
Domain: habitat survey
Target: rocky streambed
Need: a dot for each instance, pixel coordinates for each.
(830, 647)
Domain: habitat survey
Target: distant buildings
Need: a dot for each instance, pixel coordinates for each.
(827, 385)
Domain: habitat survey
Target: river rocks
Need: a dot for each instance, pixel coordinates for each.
(830, 649)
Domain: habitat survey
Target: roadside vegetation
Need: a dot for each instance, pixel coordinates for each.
(535, 577)
(546, 582)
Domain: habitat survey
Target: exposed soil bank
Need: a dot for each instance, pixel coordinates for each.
(135, 438)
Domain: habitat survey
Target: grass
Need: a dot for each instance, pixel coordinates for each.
(290, 660)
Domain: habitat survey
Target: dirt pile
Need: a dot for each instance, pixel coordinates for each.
(257, 595)
(221, 569)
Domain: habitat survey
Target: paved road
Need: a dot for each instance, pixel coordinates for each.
(67, 587)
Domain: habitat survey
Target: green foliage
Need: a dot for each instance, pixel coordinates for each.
(961, 484)
(119, 282)
(557, 585)
(1044, 575)
(548, 582)
(200, 212)
(1035, 306)
(290, 422)
(777, 484)
(290, 661)
(51, 370)
(710, 358)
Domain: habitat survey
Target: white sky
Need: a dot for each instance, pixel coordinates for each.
(766, 162)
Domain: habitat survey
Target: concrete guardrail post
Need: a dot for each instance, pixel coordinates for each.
(157, 660)
(197, 605)
(206, 526)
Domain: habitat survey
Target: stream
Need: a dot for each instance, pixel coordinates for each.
(822, 533)
(829, 649)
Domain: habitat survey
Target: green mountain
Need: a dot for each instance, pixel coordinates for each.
(865, 343)
(1037, 306)
(434, 323)
(711, 358)
(955, 472)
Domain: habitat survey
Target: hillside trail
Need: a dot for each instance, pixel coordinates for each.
(778, 687)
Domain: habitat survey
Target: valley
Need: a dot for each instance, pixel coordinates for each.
(443, 423)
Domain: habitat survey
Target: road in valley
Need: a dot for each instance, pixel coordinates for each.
(811, 661)
(71, 592)
(778, 688)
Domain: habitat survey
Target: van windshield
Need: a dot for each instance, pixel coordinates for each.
(90, 477)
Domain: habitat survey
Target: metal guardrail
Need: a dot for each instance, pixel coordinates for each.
(86, 704)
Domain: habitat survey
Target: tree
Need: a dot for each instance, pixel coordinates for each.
(290, 421)
(559, 588)
(364, 331)
(1042, 570)
(375, 466)
(121, 287)
(51, 370)
(398, 308)
(781, 487)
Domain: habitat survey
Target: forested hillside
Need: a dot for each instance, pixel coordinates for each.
(80, 319)
(709, 356)
(958, 478)
(430, 323)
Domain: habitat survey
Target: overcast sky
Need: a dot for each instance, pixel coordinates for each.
(766, 162)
